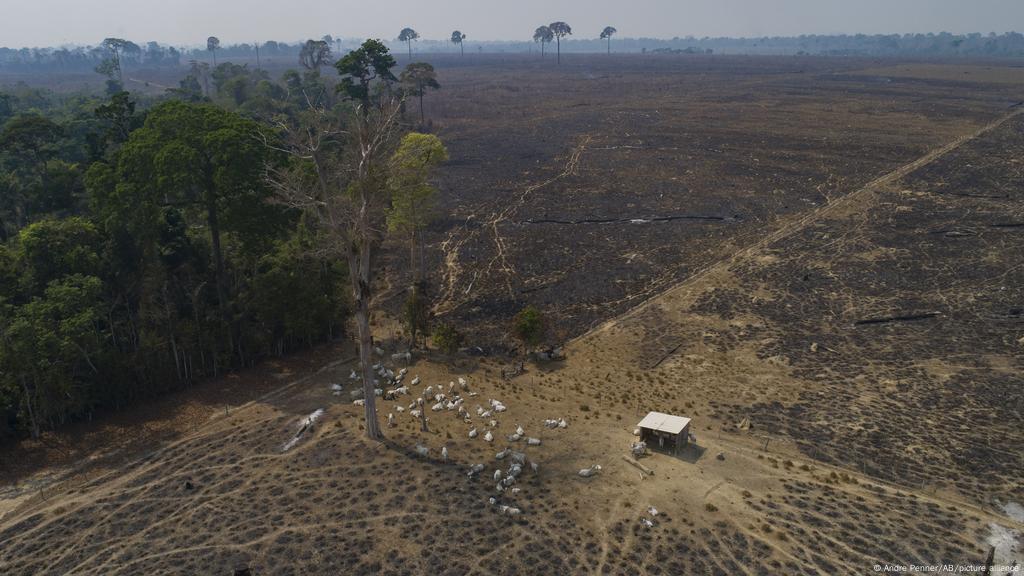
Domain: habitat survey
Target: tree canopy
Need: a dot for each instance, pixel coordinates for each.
(141, 252)
(407, 35)
(528, 326)
(458, 38)
(559, 30)
(314, 54)
(607, 34)
(416, 79)
(143, 246)
(212, 44)
(543, 35)
(413, 198)
(361, 67)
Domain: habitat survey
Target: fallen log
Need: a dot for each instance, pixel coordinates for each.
(903, 318)
(667, 354)
(982, 196)
(642, 468)
(638, 220)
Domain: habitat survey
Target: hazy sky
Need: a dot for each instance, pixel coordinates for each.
(189, 22)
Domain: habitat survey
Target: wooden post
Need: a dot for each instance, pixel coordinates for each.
(423, 418)
(765, 447)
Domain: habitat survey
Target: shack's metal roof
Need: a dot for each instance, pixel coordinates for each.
(664, 422)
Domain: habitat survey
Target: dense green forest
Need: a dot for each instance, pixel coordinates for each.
(146, 243)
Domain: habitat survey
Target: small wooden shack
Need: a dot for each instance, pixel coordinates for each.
(665, 431)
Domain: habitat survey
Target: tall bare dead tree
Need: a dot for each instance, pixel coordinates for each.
(338, 178)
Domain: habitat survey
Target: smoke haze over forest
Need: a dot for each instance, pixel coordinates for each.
(188, 22)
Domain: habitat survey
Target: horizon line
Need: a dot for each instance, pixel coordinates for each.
(360, 39)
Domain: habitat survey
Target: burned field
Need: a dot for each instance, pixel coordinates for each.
(817, 264)
(588, 188)
(906, 314)
(883, 334)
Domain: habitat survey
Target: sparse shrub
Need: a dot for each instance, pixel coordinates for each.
(528, 326)
(584, 408)
(711, 507)
(447, 338)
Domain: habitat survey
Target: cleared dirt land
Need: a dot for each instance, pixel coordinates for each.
(587, 189)
(847, 338)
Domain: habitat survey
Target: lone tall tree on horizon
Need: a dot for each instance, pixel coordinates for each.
(212, 44)
(560, 30)
(457, 38)
(407, 35)
(416, 78)
(111, 66)
(543, 35)
(607, 34)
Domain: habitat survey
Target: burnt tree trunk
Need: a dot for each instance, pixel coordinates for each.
(359, 266)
